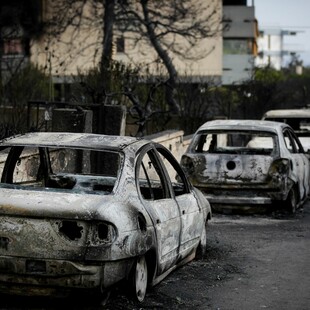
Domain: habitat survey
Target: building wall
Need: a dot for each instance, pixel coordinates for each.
(203, 60)
(237, 68)
(271, 47)
(241, 21)
(239, 43)
(74, 51)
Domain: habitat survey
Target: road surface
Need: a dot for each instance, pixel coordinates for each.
(252, 262)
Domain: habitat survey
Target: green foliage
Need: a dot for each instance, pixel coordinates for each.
(268, 75)
(116, 83)
(197, 105)
(17, 88)
(270, 89)
(104, 84)
(30, 83)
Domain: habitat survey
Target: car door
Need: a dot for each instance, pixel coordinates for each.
(300, 164)
(191, 213)
(164, 211)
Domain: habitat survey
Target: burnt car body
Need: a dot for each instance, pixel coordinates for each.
(85, 211)
(298, 119)
(243, 163)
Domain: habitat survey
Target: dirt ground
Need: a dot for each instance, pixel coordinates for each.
(252, 262)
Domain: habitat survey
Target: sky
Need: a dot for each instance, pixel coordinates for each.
(293, 15)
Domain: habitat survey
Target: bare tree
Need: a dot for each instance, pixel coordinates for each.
(108, 21)
(170, 28)
(173, 28)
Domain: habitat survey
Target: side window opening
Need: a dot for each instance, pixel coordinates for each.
(236, 142)
(60, 169)
(23, 166)
(289, 142)
(297, 146)
(151, 180)
(176, 176)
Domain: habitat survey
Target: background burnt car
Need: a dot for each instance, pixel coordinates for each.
(84, 211)
(246, 163)
(298, 119)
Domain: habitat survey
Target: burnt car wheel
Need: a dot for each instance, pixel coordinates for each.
(139, 278)
(104, 297)
(291, 202)
(202, 247)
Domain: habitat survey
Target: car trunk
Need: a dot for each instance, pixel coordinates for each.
(45, 225)
(231, 169)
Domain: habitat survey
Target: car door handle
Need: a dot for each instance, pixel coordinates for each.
(158, 221)
(183, 211)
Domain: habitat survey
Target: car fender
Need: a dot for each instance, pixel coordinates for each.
(135, 233)
(203, 203)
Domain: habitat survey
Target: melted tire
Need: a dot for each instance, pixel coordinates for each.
(139, 279)
(202, 247)
(291, 202)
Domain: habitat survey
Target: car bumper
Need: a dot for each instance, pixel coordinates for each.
(244, 195)
(236, 200)
(22, 276)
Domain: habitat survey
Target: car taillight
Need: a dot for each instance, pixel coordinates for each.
(187, 164)
(72, 230)
(103, 233)
(95, 233)
(279, 168)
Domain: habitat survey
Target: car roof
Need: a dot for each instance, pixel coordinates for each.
(288, 113)
(237, 124)
(78, 140)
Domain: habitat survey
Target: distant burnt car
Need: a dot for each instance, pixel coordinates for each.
(85, 211)
(248, 162)
(298, 119)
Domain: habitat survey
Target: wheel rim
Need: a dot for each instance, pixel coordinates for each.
(140, 278)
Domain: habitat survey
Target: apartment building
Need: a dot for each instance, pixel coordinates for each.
(272, 49)
(239, 41)
(226, 57)
(78, 49)
(201, 63)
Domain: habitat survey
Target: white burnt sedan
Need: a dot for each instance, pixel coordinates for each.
(85, 211)
(242, 163)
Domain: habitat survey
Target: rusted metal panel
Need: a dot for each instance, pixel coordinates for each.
(231, 169)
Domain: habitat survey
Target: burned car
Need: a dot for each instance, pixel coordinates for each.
(243, 163)
(298, 119)
(85, 211)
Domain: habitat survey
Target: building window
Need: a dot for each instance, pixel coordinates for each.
(238, 47)
(235, 2)
(120, 45)
(14, 41)
(13, 47)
